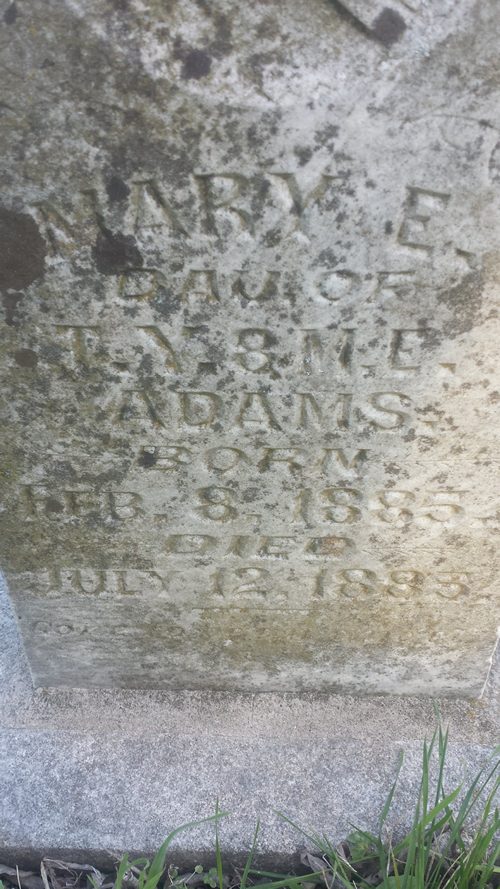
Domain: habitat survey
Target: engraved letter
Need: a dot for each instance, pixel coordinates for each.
(200, 408)
(255, 412)
(223, 212)
(81, 340)
(290, 457)
(137, 407)
(253, 346)
(171, 359)
(421, 206)
(190, 544)
(390, 410)
(165, 456)
(152, 209)
(311, 413)
(224, 459)
(347, 461)
(216, 504)
(302, 201)
(202, 284)
(124, 504)
(404, 344)
(267, 287)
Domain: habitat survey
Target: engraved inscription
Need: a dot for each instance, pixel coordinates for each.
(250, 399)
(421, 207)
(255, 581)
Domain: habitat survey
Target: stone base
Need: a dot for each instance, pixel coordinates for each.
(87, 774)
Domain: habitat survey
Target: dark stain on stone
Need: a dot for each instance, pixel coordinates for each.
(26, 358)
(147, 459)
(117, 189)
(53, 505)
(206, 367)
(268, 28)
(204, 5)
(464, 301)
(22, 250)
(115, 253)
(494, 163)
(388, 227)
(10, 14)
(197, 64)
(388, 26)
(10, 301)
(303, 155)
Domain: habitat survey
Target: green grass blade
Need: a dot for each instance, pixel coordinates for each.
(293, 882)
(442, 751)
(427, 819)
(122, 870)
(312, 837)
(157, 866)
(469, 801)
(218, 855)
(388, 802)
(248, 863)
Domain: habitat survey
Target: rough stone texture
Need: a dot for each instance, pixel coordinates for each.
(249, 278)
(92, 772)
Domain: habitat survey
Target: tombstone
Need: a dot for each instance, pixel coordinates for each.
(249, 272)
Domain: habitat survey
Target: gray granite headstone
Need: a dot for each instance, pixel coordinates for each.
(249, 265)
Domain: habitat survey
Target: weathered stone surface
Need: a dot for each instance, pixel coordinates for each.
(249, 279)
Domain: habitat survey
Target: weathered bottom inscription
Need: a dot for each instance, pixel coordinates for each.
(327, 644)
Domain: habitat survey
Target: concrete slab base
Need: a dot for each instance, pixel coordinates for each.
(89, 774)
